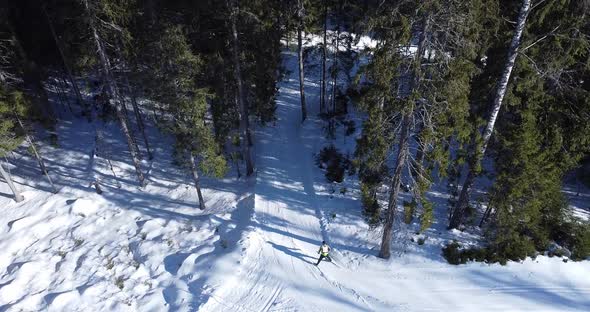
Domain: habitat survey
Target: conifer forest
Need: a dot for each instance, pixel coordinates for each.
(176, 155)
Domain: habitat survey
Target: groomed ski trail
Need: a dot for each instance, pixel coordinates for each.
(269, 267)
(277, 271)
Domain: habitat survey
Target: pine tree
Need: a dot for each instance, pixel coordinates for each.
(184, 97)
(10, 138)
(92, 11)
(539, 138)
(240, 95)
(459, 211)
(300, 61)
(67, 67)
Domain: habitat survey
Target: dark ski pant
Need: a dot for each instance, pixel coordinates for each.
(322, 257)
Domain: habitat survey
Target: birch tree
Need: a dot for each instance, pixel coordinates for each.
(459, 210)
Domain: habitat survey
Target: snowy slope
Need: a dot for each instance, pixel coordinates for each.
(253, 249)
(274, 270)
(128, 249)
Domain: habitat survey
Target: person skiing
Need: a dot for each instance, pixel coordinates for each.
(324, 252)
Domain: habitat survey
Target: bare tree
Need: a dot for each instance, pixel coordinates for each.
(136, 110)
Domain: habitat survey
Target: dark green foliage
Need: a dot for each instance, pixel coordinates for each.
(575, 236)
(427, 216)
(454, 254)
(371, 207)
(409, 209)
(350, 127)
(538, 138)
(334, 162)
(10, 134)
(518, 248)
(581, 242)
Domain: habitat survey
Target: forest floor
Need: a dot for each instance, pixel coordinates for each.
(254, 248)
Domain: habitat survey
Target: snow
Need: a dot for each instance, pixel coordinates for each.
(253, 249)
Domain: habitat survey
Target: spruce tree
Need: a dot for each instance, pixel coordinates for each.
(459, 211)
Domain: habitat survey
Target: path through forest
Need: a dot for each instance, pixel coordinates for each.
(273, 268)
(278, 269)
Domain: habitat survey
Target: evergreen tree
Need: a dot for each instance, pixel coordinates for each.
(300, 28)
(113, 14)
(540, 137)
(178, 85)
(10, 137)
(458, 212)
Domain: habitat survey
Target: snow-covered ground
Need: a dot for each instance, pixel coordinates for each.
(253, 249)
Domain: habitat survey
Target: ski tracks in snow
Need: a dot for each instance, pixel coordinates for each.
(276, 271)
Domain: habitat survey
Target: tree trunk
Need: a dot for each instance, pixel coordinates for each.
(36, 153)
(138, 116)
(18, 197)
(335, 67)
(485, 216)
(324, 56)
(335, 63)
(418, 168)
(244, 124)
(196, 179)
(300, 58)
(114, 94)
(81, 103)
(403, 148)
(402, 155)
(462, 203)
(59, 89)
(65, 84)
(122, 101)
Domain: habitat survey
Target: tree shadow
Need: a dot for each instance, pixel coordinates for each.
(292, 252)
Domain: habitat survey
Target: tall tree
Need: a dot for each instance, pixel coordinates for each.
(324, 58)
(300, 28)
(243, 107)
(459, 211)
(85, 107)
(109, 80)
(9, 137)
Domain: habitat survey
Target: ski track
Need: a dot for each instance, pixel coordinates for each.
(253, 257)
(288, 226)
(276, 272)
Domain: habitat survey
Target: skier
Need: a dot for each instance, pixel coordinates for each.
(323, 251)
